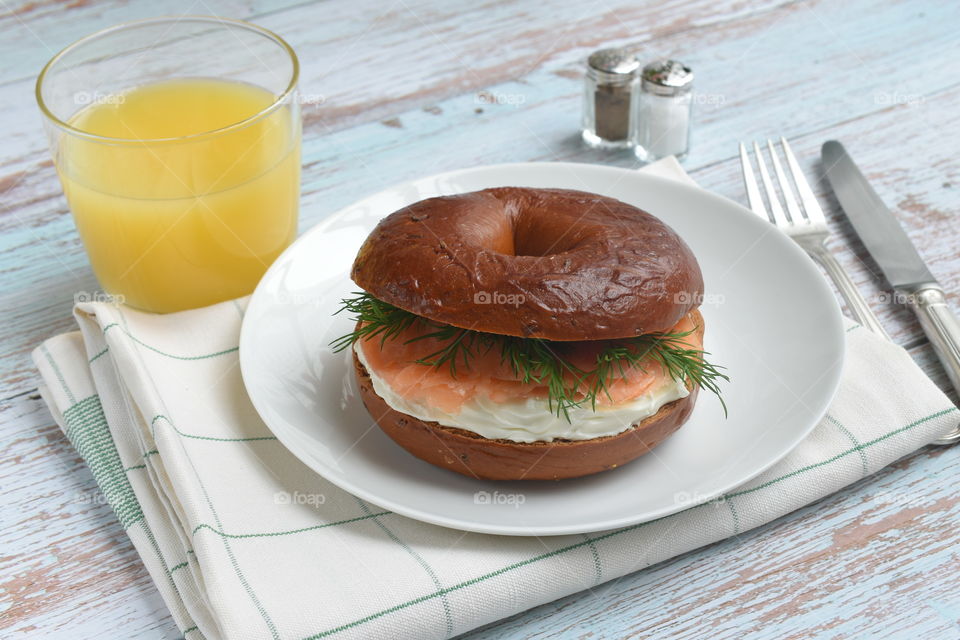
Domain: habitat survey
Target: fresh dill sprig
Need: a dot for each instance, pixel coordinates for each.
(459, 344)
(532, 360)
(535, 360)
(376, 318)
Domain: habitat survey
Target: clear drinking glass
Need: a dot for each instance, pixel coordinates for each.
(177, 143)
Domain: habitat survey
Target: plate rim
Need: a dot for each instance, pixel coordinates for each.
(289, 442)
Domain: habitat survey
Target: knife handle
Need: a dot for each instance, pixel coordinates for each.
(943, 331)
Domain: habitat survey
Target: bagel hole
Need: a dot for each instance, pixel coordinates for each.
(539, 236)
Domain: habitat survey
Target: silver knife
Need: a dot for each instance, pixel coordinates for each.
(901, 264)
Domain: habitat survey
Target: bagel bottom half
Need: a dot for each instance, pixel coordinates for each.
(473, 455)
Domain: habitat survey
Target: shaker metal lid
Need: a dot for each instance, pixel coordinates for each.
(667, 77)
(613, 62)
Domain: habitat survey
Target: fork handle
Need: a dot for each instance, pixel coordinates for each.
(858, 307)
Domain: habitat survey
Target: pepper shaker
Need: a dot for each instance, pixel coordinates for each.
(610, 97)
(662, 124)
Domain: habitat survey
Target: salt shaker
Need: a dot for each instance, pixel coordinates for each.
(610, 98)
(662, 124)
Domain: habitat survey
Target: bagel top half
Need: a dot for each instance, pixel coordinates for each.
(555, 264)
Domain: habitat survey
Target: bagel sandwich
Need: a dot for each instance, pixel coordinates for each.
(521, 333)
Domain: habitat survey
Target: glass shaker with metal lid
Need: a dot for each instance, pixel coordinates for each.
(609, 99)
(663, 118)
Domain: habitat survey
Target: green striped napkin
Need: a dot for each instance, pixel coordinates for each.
(243, 541)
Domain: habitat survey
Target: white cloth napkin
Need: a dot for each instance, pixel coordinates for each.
(243, 541)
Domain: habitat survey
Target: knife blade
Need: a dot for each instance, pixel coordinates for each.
(873, 221)
(903, 267)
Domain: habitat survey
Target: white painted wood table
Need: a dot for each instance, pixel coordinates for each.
(407, 88)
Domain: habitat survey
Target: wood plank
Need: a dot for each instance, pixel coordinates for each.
(65, 559)
(35, 31)
(871, 561)
(47, 262)
(415, 53)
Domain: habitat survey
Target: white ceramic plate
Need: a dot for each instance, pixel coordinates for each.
(770, 317)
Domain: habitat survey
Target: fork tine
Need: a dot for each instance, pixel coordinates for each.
(779, 217)
(750, 181)
(796, 216)
(810, 205)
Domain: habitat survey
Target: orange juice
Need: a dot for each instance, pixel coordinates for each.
(189, 191)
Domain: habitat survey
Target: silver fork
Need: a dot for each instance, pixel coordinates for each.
(807, 226)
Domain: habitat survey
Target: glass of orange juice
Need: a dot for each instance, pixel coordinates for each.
(177, 142)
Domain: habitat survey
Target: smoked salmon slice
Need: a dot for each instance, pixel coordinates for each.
(486, 375)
